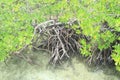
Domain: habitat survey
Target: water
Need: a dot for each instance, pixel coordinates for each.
(18, 69)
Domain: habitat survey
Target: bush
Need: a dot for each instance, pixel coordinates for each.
(99, 22)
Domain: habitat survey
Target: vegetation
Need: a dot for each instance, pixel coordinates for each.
(98, 25)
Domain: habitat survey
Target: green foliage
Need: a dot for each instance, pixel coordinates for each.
(116, 56)
(15, 27)
(85, 50)
(105, 39)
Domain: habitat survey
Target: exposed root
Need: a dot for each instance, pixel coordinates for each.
(53, 37)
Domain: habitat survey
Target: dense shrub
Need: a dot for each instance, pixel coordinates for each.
(99, 22)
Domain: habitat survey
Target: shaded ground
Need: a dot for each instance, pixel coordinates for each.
(18, 69)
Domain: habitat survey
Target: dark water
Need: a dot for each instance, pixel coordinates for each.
(18, 69)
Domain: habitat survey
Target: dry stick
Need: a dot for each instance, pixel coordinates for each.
(77, 44)
(91, 57)
(64, 51)
(42, 49)
(53, 55)
(99, 55)
(104, 52)
(69, 35)
(42, 26)
(49, 39)
(68, 43)
(37, 38)
(56, 54)
(20, 51)
(20, 54)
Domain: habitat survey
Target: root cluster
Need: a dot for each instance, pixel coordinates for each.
(55, 38)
